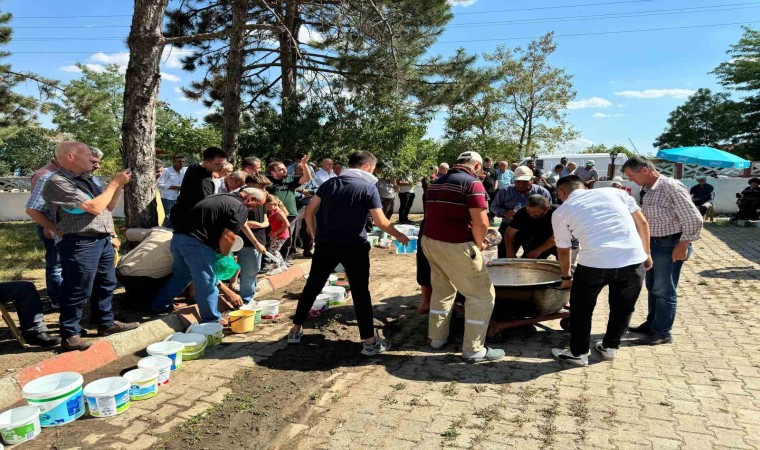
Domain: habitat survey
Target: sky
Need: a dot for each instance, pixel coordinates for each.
(632, 61)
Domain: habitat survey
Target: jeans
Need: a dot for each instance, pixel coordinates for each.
(289, 248)
(388, 205)
(53, 278)
(406, 199)
(88, 275)
(662, 282)
(250, 263)
(624, 288)
(355, 258)
(193, 261)
(168, 205)
(28, 305)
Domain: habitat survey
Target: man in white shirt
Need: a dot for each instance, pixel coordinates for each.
(614, 252)
(169, 184)
(325, 173)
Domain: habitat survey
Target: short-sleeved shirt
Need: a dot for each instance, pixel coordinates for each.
(196, 185)
(64, 192)
(345, 202)
(151, 258)
(533, 232)
(285, 190)
(701, 194)
(44, 170)
(36, 202)
(447, 205)
(586, 174)
(507, 199)
(207, 220)
(505, 178)
(257, 215)
(601, 221)
(489, 182)
(385, 188)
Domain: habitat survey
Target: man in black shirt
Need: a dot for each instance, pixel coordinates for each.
(490, 182)
(209, 228)
(197, 184)
(532, 230)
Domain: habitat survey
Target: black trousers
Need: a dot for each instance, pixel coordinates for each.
(28, 305)
(388, 204)
(624, 287)
(355, 258)
(405, 199)
(502, 249)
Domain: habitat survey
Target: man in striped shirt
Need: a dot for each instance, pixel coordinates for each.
(456, 222)
(674, 223)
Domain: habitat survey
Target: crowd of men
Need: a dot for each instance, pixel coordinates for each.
(328, 210)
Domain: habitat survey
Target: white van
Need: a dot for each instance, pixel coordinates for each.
(602, 160)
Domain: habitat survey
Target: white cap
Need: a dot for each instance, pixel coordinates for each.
(523, 173)
(470, 156)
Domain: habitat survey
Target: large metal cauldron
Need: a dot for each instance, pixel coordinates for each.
(526, 288)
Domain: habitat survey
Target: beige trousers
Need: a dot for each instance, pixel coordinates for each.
(459, 267)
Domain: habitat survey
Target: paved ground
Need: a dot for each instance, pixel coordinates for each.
(701, 392)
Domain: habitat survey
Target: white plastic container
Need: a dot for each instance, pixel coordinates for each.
(107, 397)
(195, 345)
(58, 397)
(143, 383)
(161, 364)
(270, 309)
(19, 425)
(337, 295)
(171, 349)
(214, 332)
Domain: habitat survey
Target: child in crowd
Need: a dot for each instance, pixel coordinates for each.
(279, 234)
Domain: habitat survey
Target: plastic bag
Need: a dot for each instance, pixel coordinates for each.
(225, 267)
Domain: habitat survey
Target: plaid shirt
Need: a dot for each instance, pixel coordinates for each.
(64, 191)
(36, 202)
(668, 207)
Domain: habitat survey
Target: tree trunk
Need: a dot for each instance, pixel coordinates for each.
(139, 126)
(233, 80)
(289, 60)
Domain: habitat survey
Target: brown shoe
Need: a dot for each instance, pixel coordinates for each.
(117, 327)
(75, 343)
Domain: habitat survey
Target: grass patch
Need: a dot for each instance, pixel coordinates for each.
(389, 399)
(579, 410)
(21, 249)
(399, 386)
(489, 413)
(450, 389)
(703, 283)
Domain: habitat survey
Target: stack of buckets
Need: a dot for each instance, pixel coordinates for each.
(60, 398)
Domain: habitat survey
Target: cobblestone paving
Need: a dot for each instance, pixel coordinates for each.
(701, 392)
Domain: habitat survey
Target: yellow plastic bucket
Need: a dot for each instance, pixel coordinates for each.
(242, 321)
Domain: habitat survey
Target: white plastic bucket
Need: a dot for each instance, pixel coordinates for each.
(214, 332)
(270, 309)
(337, 295)
(168, 348)
(321, 302)
(107, 397)
(161, 364)
(58, 397)
(19, 425)
(143, 383)
(195, 345)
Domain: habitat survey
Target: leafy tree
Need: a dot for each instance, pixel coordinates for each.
(27, 150)
(601, 148)
(91, 109)
(176, 133)
(705, 119)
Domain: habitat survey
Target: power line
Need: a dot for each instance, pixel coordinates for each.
(80, 27)
(601, 32)
(73, 17)
(582, 5)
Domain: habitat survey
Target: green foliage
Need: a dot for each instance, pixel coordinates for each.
(176, 133)
(91, 109)
(742, 71)
(26, 151)
(601, 148)
(705, 119)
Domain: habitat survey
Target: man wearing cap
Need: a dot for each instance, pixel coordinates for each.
(587, 174)
(513, 198)
(701, 194)
(456, 223)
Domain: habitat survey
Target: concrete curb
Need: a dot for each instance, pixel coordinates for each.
(109, 349)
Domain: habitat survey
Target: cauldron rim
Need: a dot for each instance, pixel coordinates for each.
(514, 262)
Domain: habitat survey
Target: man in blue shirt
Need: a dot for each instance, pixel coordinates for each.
(702, 194)
(503, 175)
(336, 217)
(510, 200)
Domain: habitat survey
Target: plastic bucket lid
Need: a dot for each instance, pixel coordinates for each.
(165, 348)
(155, 362)
(141, 375)
(105, 387)
(193, 341)
(334, 291)
(208, 329)
(52, 385)
(19, 425)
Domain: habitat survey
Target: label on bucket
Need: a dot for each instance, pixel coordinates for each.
(20, 434)
(60, 410)
(110, 405)
(143, 391)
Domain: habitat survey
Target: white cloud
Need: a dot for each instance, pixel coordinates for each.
(599, 115)
(204, 112)
(307, 35)
(71, 68)
(593, 102)
(97, 68)
(170, 77)
(656, 93)
(461, 2)
(171, 57)
(576, 145)
(122, 59)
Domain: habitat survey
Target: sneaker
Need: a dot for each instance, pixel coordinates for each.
(438, 344)
(295, 337)
(75, 343)
(653, 339)
(607, 353)
(274, 271)
(641, 329)
(117, 327)
(380, 346)
(564, 354)
(492, 354)
(41, 339)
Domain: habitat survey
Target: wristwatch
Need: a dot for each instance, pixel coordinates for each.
(566, 278)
